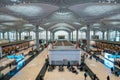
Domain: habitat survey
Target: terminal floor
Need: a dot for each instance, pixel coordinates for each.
(65, 75)
(5, 61)
(6, 70)
(32, 69)
(100, 70)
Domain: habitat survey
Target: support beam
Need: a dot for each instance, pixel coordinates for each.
(72, 35)
(94, 32)
(29, 33)
(69, 36)
(108, 33)
(88, 37)
(8, 36)
(115, 35)
(37, 37)
(16, 35)
(76, 38)
(3, 35)
(0, 35)
(20, 35)
(119, 35)
(46, 37)
(53, 36)
(50, 36)
(103, 35)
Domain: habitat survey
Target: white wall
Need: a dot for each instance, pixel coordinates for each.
(60, 55)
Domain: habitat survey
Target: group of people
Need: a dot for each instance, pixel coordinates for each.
(94, 76)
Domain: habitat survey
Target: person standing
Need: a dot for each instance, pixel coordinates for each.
(85, 75)
(112, 70)
(94, 77)
(108, 77)
(10, 65)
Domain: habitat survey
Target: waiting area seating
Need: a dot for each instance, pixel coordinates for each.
(61, 68)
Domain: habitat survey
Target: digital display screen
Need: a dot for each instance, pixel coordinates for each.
(108, 61)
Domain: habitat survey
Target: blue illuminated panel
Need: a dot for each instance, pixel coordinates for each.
(108, 61)
(20, 64)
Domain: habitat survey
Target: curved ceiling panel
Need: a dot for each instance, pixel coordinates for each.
(64, 3)
(62, 25)
(95, 11)
(61, 28)
(26, 10)
(29, 11)
(4, 17)
(62, 15)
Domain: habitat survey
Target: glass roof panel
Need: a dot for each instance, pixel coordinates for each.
(63, 25)
(96, 10)
(9, 24)
(96, 24)
(28, 25)
(115, 17)
(114, 23)
(61, 28)
(27, 10)
(7, 17)
(63, 16)
(41, 28)
(1, 27)
(83, 28)
(76, 23)
(46, 24)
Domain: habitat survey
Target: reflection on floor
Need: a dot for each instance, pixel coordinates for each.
(100, 69)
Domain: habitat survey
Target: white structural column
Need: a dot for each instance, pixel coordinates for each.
(94, 32)
(69, 36)
(20, 35)
(76, 38)
(50, 36)
(53, 36)
(119, 35)
(108, 33)
(37, 37)
(12, 35)
(29, 33)
(86, 33)
(103, 34)
(47, 37)
(8, 36)
(16, 35)
(88, 36)
(115, 35)
(0, 35)
(93, 37)
(72, 35)
(3, 35)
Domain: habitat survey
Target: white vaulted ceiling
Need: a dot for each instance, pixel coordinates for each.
(59, 14)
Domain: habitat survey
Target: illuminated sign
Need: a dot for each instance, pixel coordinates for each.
(114, 56)
(108, 61)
